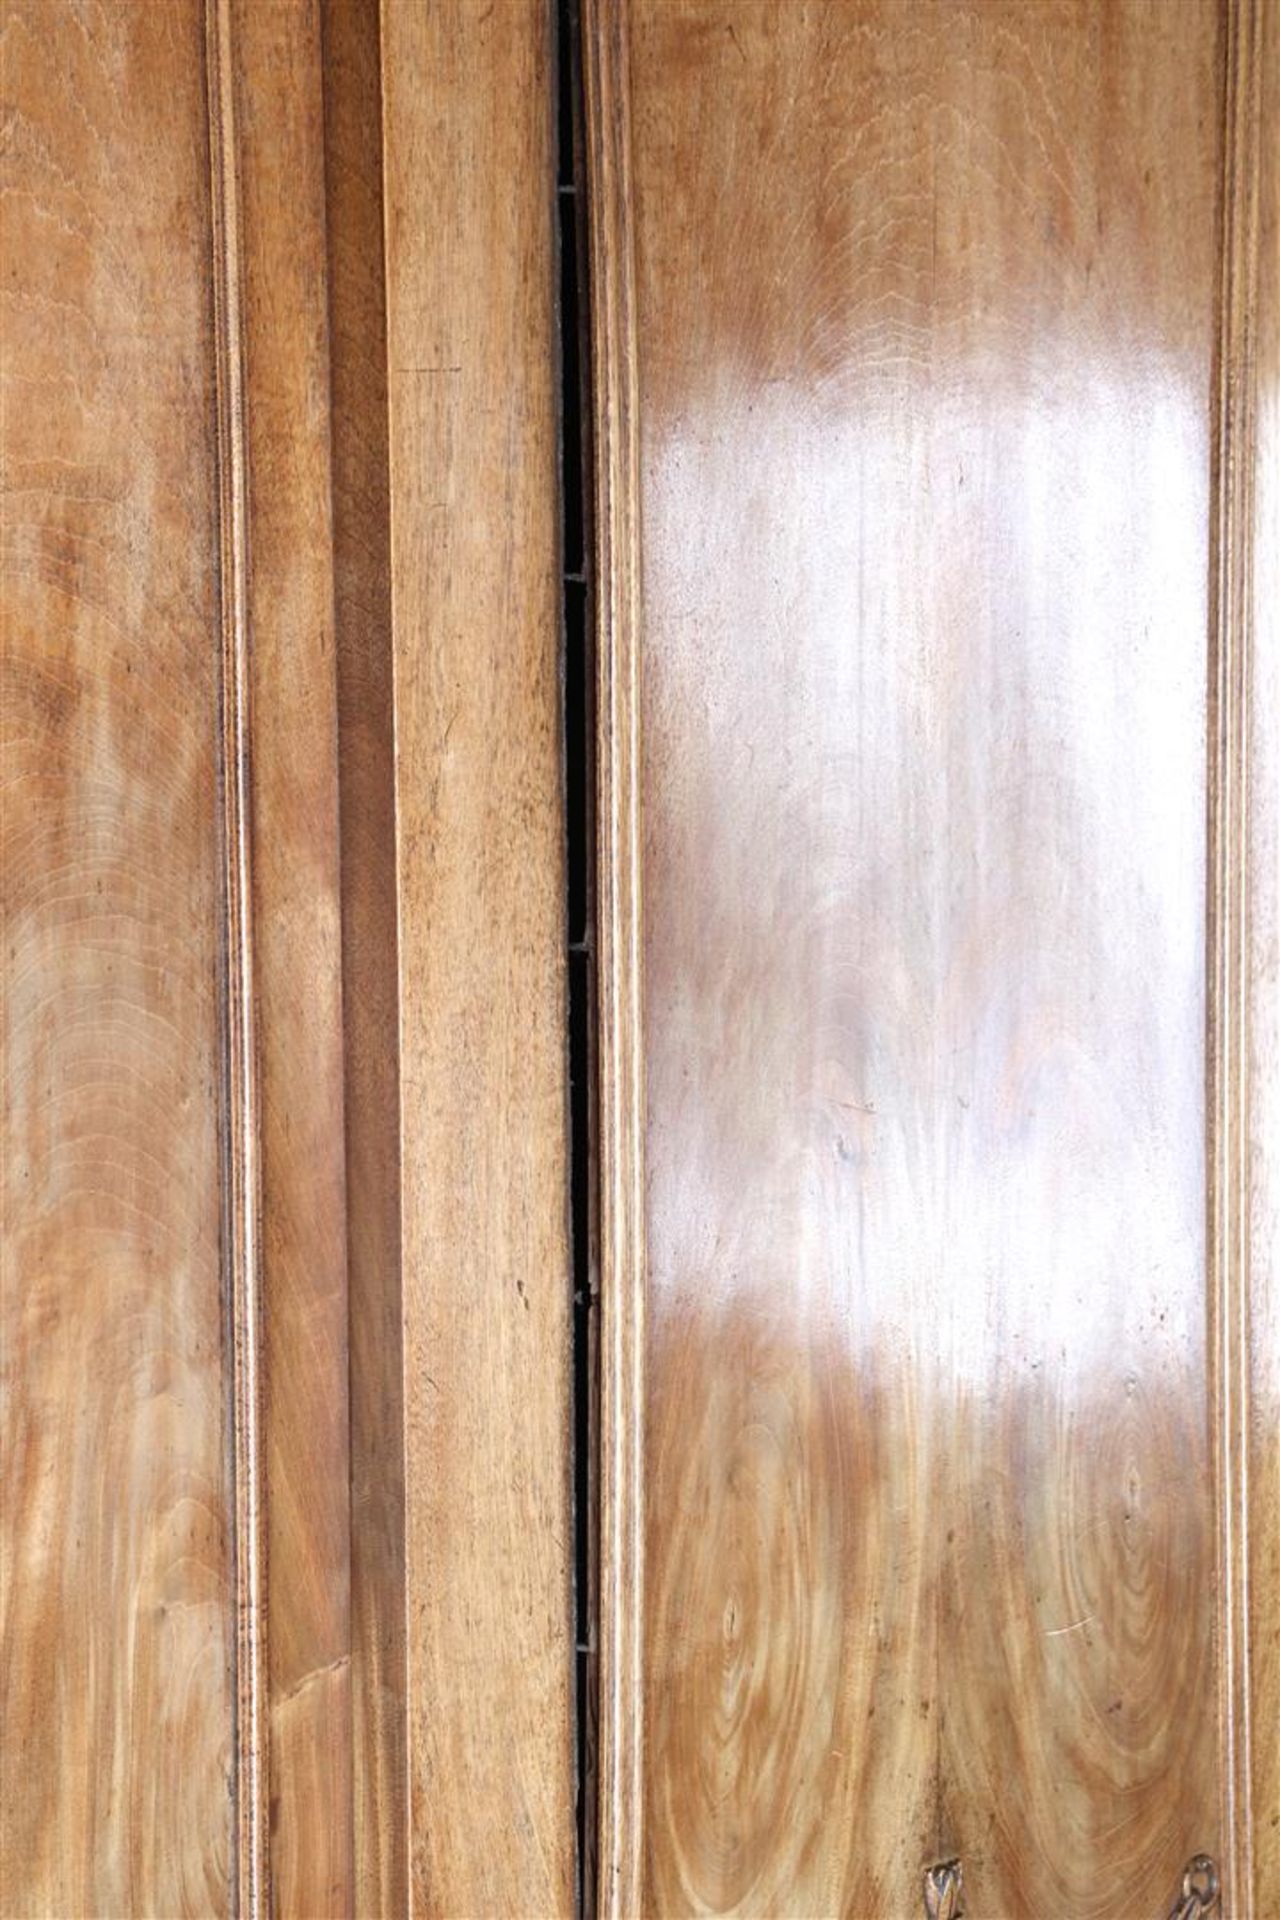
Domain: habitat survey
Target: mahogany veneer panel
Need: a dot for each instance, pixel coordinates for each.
(923, 386)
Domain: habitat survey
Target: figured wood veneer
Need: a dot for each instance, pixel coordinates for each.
(286, 1302)
(932, 350)
(936, 410)
(467, 113)
(116, 1662)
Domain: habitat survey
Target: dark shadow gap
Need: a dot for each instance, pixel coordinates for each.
(578, 681)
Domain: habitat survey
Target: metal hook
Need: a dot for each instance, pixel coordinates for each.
(1199, 1894)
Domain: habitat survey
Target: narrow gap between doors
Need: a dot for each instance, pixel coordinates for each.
(578, 682)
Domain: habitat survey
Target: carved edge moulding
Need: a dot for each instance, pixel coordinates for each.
(615, 389)
(1242, 814)
(1250, 51)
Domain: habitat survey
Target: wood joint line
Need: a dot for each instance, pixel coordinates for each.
(242, 1240)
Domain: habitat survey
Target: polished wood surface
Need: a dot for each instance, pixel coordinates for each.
(468, 183)
(287, 1522)
(366, 757)
(620, 1103)
(937, 421)
(298, 974)
(919, 408)
(115, 1668)
(1260, 1554)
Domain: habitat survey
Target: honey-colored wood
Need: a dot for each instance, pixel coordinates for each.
(297, 972)
(1259, 1551)
(468, 185)
(240, 1114)
(286, 1438)
(1242, 925)
(116, 1667)
(937, 420)
(620, 1766)
(925, 855)
(168, 567)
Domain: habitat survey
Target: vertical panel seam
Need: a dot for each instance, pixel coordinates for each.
(242, 1259)
(1228, 995)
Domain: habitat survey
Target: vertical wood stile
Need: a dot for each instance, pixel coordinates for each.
(486, 1296)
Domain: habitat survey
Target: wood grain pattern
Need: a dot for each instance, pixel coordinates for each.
(211, 854)
(276, 56)
(366, 735)
(926, 325)
(1232, 694)
(117, 1604)
(468, 188)
(937, 359)
(240, 1113)
(1261, 1568)
(620, 1069)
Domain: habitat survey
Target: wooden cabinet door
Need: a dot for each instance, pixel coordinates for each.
(936, 410)
(286, 1301)
(934, 402)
